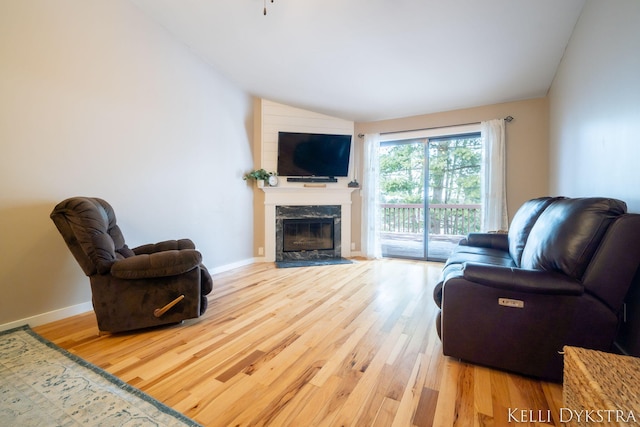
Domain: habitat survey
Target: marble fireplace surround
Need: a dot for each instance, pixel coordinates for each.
(329, 213)
(306, 196)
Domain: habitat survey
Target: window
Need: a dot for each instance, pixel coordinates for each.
(429, 177)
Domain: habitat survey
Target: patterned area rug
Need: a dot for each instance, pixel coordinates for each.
(42, 384)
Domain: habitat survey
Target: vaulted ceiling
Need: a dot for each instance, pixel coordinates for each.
(367, 60)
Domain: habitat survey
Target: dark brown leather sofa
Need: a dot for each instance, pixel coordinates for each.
(150, 285)
(559, 277)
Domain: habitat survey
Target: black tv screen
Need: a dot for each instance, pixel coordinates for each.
(313, 154)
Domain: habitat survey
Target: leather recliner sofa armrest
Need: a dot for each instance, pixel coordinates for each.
(488, 240)
(521, 280)
(167, 245)
(161, 264)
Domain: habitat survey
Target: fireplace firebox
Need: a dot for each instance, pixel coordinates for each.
(308, 232)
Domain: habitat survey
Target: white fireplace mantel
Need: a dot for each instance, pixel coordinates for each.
(305, 196)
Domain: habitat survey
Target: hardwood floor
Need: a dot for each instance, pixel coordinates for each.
(343, 345)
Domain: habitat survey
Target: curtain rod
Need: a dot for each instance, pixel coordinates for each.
(507, 119)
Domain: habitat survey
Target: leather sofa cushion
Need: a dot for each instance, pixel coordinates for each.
(463, 254)
(522, 223)
(491, 257)
(567, 234)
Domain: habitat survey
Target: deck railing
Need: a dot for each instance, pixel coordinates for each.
(449, 219)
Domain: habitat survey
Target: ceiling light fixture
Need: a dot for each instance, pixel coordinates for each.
(265, 6)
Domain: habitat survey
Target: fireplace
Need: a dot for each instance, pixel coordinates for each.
(308, 232)
(290, 196)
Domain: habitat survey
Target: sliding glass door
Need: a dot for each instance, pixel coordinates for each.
(430, 194)
(403, 215)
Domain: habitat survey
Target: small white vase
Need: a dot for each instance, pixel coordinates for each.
(260, 183)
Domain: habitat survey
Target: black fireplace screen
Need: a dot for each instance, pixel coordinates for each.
(307, 234)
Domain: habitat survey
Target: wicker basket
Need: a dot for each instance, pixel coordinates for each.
(602, 387)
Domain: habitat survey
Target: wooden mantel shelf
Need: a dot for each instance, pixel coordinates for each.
(299, 195)
(311, 187)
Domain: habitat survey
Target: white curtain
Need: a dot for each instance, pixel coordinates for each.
(494, 194)
(371, 197)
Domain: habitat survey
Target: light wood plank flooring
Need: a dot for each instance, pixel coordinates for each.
(343, 345)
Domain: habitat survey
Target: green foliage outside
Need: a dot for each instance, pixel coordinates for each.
(452, 176)
(453, 171)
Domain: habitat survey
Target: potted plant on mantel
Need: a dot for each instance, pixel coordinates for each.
(258, 175)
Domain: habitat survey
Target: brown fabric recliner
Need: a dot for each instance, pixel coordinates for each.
(147, 286)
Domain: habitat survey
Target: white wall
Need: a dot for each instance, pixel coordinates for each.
(595, 106)
(98, 100)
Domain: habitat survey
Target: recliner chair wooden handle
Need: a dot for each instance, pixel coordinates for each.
(160, 311)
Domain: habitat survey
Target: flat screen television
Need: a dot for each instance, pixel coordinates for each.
(313, 154)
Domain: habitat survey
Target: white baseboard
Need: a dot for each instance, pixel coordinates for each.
(51, 316)
(227, 267)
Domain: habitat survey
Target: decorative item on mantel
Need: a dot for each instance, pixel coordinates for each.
(260, 176)
(354, 182)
